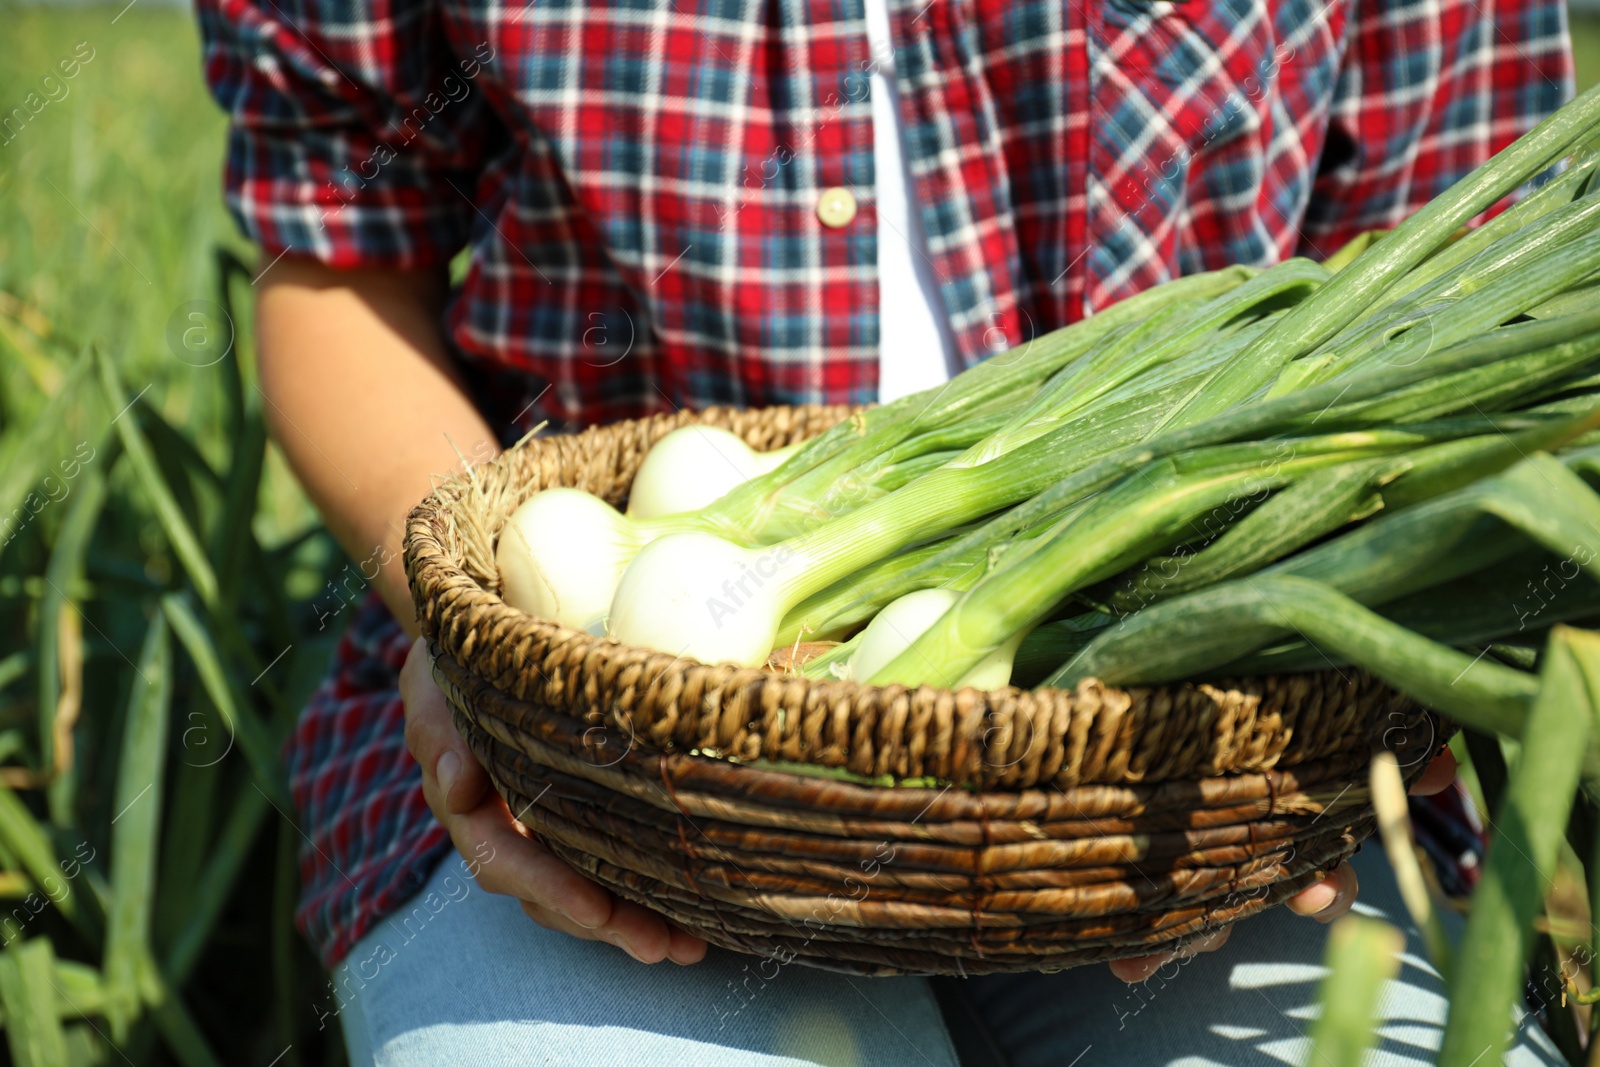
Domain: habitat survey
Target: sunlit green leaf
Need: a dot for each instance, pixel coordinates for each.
(1362, 955)
(134, 827)
(32, 1004)
(1528, 830)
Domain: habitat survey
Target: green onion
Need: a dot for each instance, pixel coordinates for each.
(1562, 189)
(1538, 500)
(1354, 289)
(1450, 380)
(1240, 425)
(868, 433)
(1148, 511)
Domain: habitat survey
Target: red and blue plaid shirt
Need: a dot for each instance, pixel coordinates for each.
(635, 183)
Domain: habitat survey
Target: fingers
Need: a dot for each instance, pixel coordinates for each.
(1139, 968)
(1325, 902)
(512, 864)
(1329, 898)
(458, 781)
(685, 947)
(555, 895)
(1437, 778)
(640, 933)
(503, 857)
(635, 931)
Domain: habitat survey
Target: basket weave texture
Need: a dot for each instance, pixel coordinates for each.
(1068, 826)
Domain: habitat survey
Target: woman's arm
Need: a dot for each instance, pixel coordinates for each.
(361, 397)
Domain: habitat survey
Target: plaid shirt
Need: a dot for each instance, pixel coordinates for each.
(636, 184)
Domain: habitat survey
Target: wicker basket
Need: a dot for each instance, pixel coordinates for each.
(1081, 826)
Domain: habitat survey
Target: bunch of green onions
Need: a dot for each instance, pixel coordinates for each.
(1135, 496)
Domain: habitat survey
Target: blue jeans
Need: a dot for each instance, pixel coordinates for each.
(464, 978)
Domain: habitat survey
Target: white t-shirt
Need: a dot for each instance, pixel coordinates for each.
(915, 348)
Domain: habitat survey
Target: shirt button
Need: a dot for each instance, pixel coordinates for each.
(836, 207)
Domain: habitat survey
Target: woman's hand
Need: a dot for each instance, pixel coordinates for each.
(1325, 901)
(506, 859)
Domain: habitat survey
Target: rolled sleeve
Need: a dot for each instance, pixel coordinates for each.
(356, 129)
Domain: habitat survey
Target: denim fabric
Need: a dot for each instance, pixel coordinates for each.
(463, 978)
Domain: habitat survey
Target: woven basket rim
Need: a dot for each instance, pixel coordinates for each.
(464, 617)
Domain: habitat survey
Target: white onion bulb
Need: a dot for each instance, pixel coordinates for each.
(895, 627)
(994, 670)
(694, 594)
(903, 620)
(693, 466)
(561, 555)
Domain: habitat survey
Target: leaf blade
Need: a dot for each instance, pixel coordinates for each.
(1362, 955)
(135, 826)
(1531, 822)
